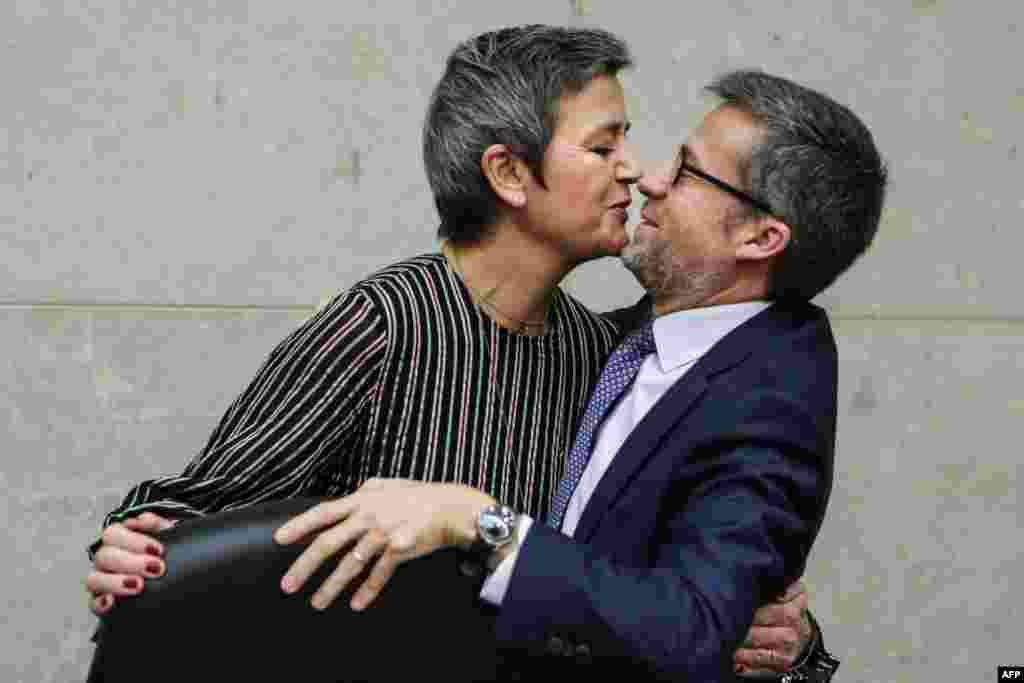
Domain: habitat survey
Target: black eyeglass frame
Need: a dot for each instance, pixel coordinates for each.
(720, 184)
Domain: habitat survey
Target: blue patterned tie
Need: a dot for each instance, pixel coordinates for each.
(618, 373)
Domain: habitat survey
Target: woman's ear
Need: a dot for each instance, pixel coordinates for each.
(766, 237)
(506, 173)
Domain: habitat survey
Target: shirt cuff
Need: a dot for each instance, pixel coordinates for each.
(496, 584)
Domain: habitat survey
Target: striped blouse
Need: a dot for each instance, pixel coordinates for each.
(400, 376)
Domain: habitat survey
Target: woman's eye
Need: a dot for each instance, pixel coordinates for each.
(603, 151)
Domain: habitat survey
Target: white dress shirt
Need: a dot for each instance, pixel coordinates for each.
(681, 339)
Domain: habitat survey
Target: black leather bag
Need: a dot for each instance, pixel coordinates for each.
(219, 614)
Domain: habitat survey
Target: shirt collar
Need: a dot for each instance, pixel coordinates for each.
(684, 336)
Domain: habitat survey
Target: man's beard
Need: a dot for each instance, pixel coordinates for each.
(654, 268)
(649, 263)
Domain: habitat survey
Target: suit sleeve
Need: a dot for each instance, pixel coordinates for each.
(734, 525)
(309, 400)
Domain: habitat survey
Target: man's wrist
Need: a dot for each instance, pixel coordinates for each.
(502, 553)
(815, 664)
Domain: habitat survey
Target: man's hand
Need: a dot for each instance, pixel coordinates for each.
(128, 555)
(780, 632)
(393, 520)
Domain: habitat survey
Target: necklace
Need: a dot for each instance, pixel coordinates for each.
(530, 327)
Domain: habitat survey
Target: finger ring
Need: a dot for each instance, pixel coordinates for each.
(358, 556)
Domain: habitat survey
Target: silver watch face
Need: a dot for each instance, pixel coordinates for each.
(495, 525)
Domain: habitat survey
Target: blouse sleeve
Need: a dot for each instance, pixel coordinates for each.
(306, 409)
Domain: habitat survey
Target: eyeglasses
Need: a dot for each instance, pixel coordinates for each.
(685, 167)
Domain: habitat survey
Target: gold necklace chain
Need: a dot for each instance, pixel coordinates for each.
(485, 300)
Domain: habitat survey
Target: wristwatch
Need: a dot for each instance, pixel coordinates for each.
(817, 665)
(495, 528)
(814, 665)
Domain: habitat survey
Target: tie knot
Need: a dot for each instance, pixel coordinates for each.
(641, 340)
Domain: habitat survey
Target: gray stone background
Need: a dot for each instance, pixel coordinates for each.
(183, 181)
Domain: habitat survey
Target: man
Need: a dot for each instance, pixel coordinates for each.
(429, 370)
(697, 491)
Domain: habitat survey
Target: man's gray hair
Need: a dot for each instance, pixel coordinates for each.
(504, 87)
(819, 170)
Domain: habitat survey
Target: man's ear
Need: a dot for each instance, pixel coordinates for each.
(766, 237)
(506, 173)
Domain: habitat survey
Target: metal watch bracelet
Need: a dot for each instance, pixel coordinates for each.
(814, 665)
(817, 665)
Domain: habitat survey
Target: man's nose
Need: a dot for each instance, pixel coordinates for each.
(655, 185)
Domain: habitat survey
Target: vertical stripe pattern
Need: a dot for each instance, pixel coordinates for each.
(400, 376)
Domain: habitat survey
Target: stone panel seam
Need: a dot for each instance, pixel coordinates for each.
(161, 308)
(309, 308)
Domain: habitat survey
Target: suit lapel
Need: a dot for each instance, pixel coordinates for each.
(672, 407)
(639, 446)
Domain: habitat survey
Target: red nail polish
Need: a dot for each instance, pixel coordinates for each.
(153, 568)
(131, 584)
(155, 550)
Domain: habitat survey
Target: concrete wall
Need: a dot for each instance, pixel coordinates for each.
(182, 183)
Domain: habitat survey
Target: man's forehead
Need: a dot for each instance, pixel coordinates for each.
(734, 126)
(694, 118)
(727, 130)
(706, 104)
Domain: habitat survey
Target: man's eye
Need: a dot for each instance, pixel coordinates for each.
(603, 151)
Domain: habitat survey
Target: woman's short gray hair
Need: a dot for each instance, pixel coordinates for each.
(503, 87)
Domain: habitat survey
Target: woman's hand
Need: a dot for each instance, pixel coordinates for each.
(386, 522)
(129, 554)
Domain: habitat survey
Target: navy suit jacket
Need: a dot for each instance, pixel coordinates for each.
(707, 512)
